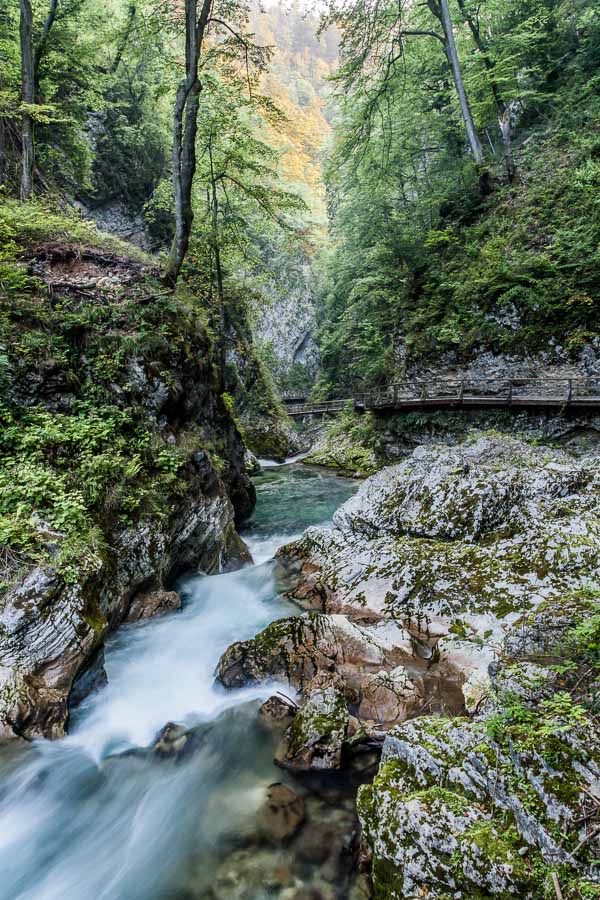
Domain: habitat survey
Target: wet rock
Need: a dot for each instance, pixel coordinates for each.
(389, 696)
(317, 734)
(246, 874)
(314, 842)
(175, 741)
(317, 891)
(251, 464)
(277, 713)
(171, 740)
(360, 889)
(281, 815)
(295, 649)
(271, 438)
(155, 603)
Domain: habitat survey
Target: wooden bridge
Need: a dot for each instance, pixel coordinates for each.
(562, 394)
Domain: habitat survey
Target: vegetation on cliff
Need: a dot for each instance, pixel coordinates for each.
(435, 252)
(108, 387)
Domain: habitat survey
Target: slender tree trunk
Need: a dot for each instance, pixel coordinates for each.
(442, 12)
(27, 97)
(30, 63)
(218, 269)
(502, 108)
(124, 38)
(185, 126)
(3, 152)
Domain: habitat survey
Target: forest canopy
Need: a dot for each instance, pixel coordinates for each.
(435, 165)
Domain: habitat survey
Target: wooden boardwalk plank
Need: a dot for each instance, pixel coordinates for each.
(560, 394)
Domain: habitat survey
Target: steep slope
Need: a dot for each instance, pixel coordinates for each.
(121, 464)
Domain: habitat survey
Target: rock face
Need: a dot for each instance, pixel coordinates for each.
(454, 544)
(285, 327)
(160, 381)
(492, 805)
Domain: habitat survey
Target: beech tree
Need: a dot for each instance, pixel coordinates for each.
(30, 66)
(373, 41)
(185, 127)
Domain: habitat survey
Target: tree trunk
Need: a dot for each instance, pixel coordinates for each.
(3, 160)
(442, 12)
(27, 97)
(185, 126)
(502, 108)
(124, 38)
(218, 269)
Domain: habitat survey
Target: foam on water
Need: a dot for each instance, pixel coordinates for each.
(92, 817)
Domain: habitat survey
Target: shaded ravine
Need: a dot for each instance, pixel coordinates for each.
(94, 815)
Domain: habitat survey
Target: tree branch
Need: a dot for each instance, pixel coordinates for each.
(44, 36)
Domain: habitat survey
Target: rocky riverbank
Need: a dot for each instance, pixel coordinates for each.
(452, 619)
(121, 463)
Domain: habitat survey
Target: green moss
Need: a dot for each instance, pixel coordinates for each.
(387, 880)
(92, 460)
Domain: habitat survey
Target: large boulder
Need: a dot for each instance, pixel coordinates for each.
(453, 545)
(296, 648)
(490, 806)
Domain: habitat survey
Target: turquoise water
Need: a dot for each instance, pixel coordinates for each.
(93, 816)
(289, 499)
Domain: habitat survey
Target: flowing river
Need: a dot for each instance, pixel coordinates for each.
(95, 816)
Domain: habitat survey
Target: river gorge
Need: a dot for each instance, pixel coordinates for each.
(96, 814)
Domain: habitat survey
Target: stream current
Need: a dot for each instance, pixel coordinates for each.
(93, 816)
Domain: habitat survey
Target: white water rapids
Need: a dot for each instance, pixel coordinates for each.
(80, 818)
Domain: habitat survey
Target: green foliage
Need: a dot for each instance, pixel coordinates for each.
(530, 727)
(425, 261)
(95, 460)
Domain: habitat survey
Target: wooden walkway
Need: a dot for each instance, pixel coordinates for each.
(562, 394)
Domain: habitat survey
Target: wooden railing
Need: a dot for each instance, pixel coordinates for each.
(527, 393)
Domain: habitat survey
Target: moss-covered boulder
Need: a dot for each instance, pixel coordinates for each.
(316, 736)
(493, 806)
(454, 545)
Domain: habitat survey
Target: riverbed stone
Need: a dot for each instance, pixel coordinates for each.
(316, 736)
(281, 814)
